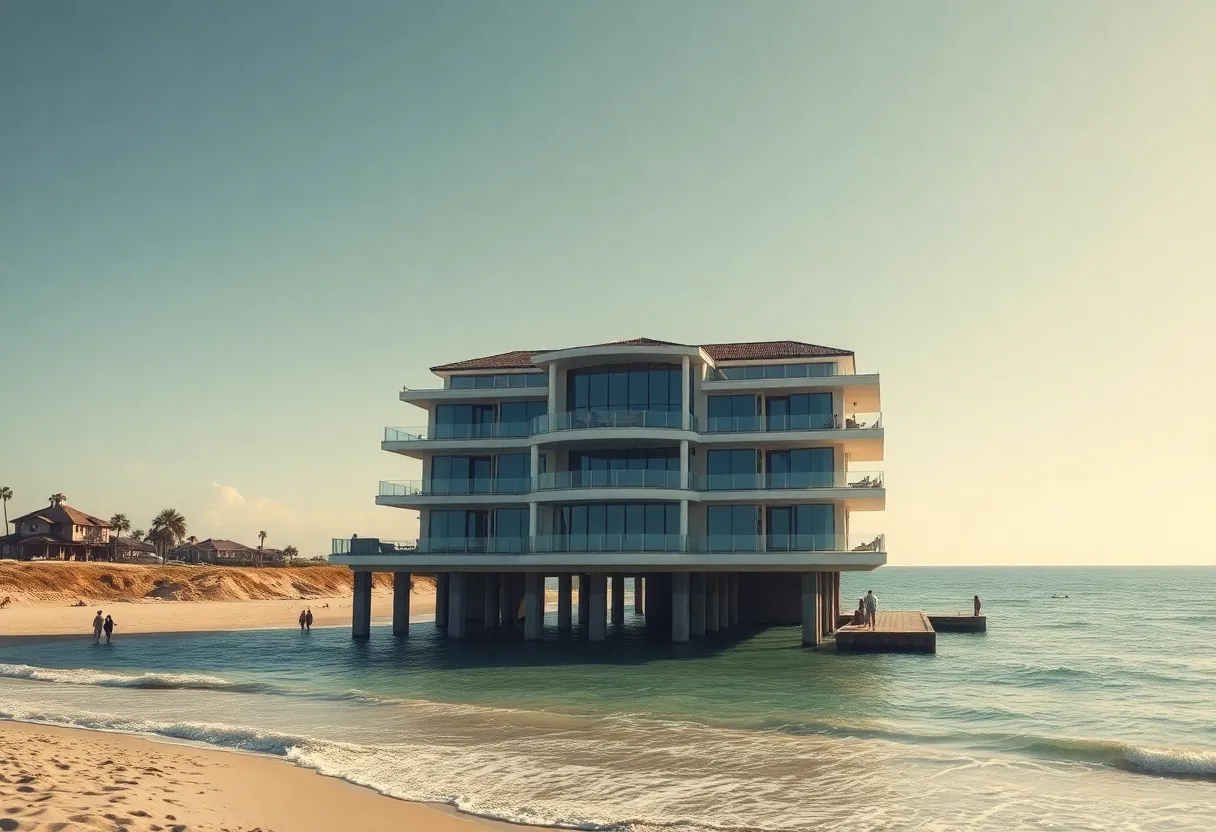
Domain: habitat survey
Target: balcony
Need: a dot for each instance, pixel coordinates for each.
(859, 544)
(448, 488)
(637, 478)
(594, 419)
(782, 424)
(791, 481)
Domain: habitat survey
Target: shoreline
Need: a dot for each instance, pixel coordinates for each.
(57, 618)
(54, 774)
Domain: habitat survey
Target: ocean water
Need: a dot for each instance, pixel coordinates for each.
(1089, 704)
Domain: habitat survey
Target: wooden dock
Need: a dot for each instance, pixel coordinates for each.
(958, 623)
(898, 631)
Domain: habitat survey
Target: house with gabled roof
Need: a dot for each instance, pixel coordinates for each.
(59, 532)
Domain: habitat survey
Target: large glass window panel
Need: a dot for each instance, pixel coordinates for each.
(597, 519)
(615, 518)
(639, 388)
(618, 388)
(463, 382)
(511, 523)
(658, 390)
(598, 391)
(579, 398)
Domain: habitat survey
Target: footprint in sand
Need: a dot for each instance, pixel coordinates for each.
(8, 823)
(26, 789)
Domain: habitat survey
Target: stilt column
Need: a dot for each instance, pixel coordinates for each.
(724, 601)
(401, 604)
(565, 601)
(598, 608)
(534, 606)
(618, 601)
(490, 601)
(810, 609)
(456, 602)
(734, 599)
(441, 600)
(711, 602)
(584, 600)
(679, 607)
(639, 594)
(361, 608)
(696, 604)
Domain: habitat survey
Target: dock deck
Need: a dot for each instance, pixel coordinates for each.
(958, 622)
(897, 631)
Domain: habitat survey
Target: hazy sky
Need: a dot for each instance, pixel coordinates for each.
(230, 232)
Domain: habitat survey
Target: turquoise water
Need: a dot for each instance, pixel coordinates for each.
(1091, 711)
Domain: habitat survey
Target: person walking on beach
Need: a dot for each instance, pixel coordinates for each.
(871, 608)
(98, 623)
(303, 619)
(977, 607)
(308, 619)
(108, 626)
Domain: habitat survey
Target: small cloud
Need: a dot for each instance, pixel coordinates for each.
(228, 495)
(231, 505)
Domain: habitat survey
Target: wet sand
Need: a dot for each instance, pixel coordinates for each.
(63, 778)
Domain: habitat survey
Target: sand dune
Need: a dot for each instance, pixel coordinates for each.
(54, 581)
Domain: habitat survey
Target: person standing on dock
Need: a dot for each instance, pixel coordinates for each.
(871, 608)
(977, 607)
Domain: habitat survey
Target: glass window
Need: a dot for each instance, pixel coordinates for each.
(625, 387)
(463, 382)
(513, 472)
(639, 388)
(734, 468)
(732, 528)
(511, 522)
(808, 527)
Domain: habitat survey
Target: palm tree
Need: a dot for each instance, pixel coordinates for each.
(261, 540)
(171, 525)
(57, 498)
(138, 534)
(162, 539)
(290, 553)
(119, 524)
(6, 494)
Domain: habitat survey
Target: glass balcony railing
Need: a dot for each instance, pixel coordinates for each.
(741, 543)
(794, 480)
(611, 543)
(404, 434)
(762, 371)
(804, 421)
(443, 488)
(590, 419)
(610, 479)
(616, 543)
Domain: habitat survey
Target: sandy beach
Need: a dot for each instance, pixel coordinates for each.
(62, 778)
(171, 599)
(58, 618)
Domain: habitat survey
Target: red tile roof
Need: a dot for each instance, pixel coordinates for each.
(62, 513)
(743, 351)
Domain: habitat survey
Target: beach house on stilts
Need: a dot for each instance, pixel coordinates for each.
(715, 484)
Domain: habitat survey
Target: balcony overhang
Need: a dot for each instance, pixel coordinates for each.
(610, 353)
(421, 448)
(421, 501)
(860, 392)
(861, 444)
(424, 398)
(628, 562)
(854, 499)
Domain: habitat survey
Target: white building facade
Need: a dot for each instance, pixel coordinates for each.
(714, 483)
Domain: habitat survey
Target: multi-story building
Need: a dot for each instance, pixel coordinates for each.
(58, 531)
(719, 480)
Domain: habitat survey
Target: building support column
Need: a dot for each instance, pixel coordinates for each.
(723, 600)
(685, 391)
(401, 604)
(441, 600)
(651, 586)
(836, 581)
(733, 606)
(618, 601)
(679, 607)
(711, 602)
(491, 601)
(639, 595)
(361, 607)
(534, 606)
(506, 619)
(456, 602)
(696, 605)
(584, 600)
(532, 523)
(565, 601)
(684, 473)
(598, 608)
(810, 609)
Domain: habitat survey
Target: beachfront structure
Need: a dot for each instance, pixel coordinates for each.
(217, 551)
(57, 532)
(720, 478)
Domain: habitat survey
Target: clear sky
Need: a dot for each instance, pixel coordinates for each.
(230, 232)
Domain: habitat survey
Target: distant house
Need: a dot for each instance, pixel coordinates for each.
(128, 548)
(215, 550)
(59, 532)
